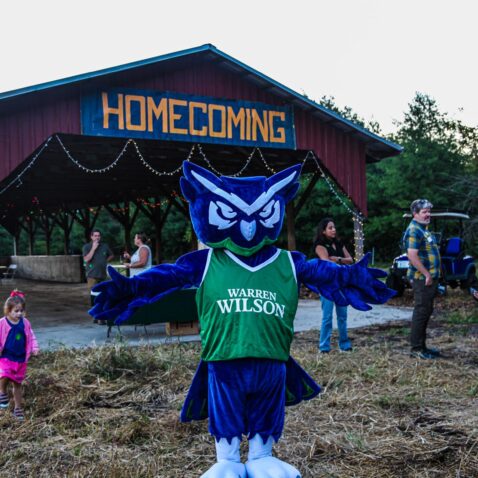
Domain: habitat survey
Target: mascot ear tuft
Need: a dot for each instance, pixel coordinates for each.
(290, 190)
(187, 189)
(190, 185)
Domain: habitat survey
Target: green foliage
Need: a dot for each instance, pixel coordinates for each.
(321, 203)
(437, 150)
(439, 162)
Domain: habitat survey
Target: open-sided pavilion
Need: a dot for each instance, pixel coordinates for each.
(118, 136)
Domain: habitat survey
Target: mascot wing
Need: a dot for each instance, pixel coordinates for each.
(355, 285)
(120, 297)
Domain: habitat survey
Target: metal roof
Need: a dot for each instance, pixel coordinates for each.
(373, 141)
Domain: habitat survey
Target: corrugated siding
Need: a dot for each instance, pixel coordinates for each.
(342, 155)
(25, 122)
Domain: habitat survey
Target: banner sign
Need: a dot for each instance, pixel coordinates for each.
(179, 117)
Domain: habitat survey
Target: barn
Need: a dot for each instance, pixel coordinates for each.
(116, 139)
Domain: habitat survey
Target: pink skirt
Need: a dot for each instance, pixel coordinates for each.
(12, 370)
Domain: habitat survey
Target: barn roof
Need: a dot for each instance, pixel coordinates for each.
(377, 147)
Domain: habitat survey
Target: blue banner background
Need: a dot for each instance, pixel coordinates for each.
(134, 113)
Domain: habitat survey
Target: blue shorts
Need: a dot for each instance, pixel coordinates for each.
(245, 397)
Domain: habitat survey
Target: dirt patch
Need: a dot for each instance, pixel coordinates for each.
(52, 303)
(113, 411)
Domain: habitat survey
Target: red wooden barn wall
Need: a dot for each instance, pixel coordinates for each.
(27, 120)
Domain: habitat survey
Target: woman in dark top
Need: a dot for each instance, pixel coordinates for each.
(329, 248)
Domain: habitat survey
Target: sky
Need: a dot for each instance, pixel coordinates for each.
(371, 55)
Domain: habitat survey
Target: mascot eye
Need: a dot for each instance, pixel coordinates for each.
(266, 211)
(226, 211)
(271, 214)
(221, 221)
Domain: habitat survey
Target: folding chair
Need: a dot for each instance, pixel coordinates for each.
(9, 275)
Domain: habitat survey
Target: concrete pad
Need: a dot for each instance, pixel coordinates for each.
(58, 313)
(308, 317)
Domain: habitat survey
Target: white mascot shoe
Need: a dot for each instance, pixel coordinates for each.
(228, 461)
(226, 469)
(261, 463)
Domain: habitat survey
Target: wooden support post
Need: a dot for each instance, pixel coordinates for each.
(65, 221)
(290, 211)
(15, 232)
(154, 213)
(31, 229)
(358, 238)
(84, 218)
(123, 216)
(46, 222)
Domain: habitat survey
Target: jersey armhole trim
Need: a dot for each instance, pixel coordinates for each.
(206, 266)
(292, 265)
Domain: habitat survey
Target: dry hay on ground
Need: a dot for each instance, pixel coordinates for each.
(113, 411)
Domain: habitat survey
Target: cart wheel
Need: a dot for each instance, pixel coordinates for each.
(395, 283)
(470, 280)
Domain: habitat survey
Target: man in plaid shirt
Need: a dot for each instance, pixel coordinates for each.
(424, 272)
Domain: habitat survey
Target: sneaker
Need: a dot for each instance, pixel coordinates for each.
(324, 351)
(434, 352)
(18, 414)
(3, 400)
(423, 354)
(346, 350)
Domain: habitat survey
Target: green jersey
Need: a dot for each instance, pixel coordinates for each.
(247, 311)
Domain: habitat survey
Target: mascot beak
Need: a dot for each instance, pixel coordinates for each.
(248, 229)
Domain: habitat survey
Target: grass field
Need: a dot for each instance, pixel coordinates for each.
(113, 411)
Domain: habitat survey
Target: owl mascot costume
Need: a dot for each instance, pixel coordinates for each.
(247, 297)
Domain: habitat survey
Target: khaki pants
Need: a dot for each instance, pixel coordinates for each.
(92, 281)
(424, 296)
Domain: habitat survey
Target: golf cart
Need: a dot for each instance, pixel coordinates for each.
(458, 268)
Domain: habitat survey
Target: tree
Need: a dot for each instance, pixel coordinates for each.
(437, 150)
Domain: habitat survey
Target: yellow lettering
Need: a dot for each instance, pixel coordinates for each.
(158, 111)
(262, 124)
(222, 132)
(173, 117)
(248, 124)
(280, 131)
(142, 112)
(108, 110)
(193, 105)
(234, 120)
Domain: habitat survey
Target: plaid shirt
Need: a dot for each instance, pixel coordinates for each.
(418, 237)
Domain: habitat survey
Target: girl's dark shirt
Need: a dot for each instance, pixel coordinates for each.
(15, 345)
(329, 246)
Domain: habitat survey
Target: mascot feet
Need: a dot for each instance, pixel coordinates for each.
(270, 467)
(226, 469)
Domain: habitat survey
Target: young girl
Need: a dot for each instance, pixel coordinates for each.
(17, 343)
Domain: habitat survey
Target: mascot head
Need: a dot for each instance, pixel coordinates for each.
(239, 214)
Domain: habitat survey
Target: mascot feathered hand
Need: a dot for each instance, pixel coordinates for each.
(247, 299)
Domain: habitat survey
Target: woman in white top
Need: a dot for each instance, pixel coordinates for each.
(141, 259)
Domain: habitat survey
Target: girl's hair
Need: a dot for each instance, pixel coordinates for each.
(321, 227)
(16, 298)
(144, 238)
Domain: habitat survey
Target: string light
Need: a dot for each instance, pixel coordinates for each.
(30, 164)
(359, 236)
(88, 170)
(358, 218)
(148, 166)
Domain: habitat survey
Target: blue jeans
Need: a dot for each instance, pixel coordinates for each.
(326, 328)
